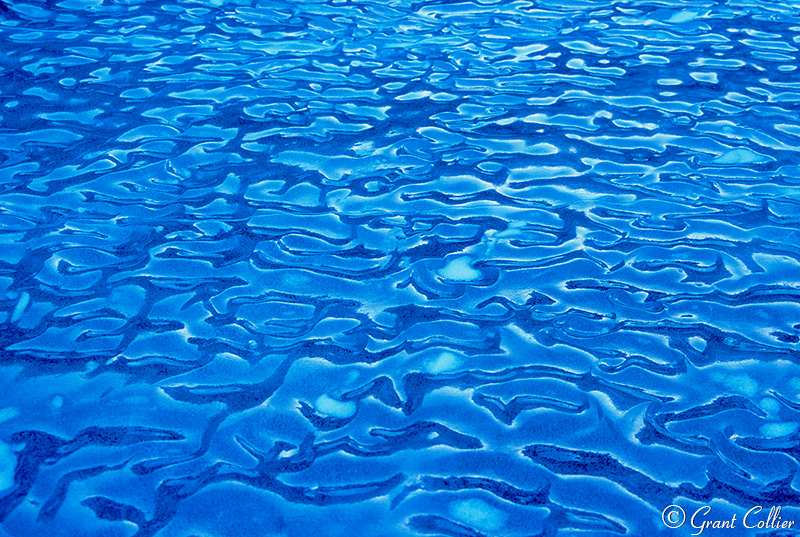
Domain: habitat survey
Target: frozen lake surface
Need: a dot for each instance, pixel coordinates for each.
(389, 268)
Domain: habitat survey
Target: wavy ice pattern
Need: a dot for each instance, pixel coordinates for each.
(471, 268)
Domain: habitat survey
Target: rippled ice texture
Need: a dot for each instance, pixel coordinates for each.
(363, 268)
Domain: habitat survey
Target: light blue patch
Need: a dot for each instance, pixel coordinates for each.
(136, 93)
(8, 463)
(8, 413)
(478, 514)
(775, 430)
(698, 343)
(19, 309)
(459, 270)
(443, 363)
(683, 16)
(333, 407)
(770, 405)
(741, 156)
(711, 78)
(742, 383)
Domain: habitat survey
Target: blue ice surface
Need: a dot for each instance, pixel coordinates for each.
(344, 267)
